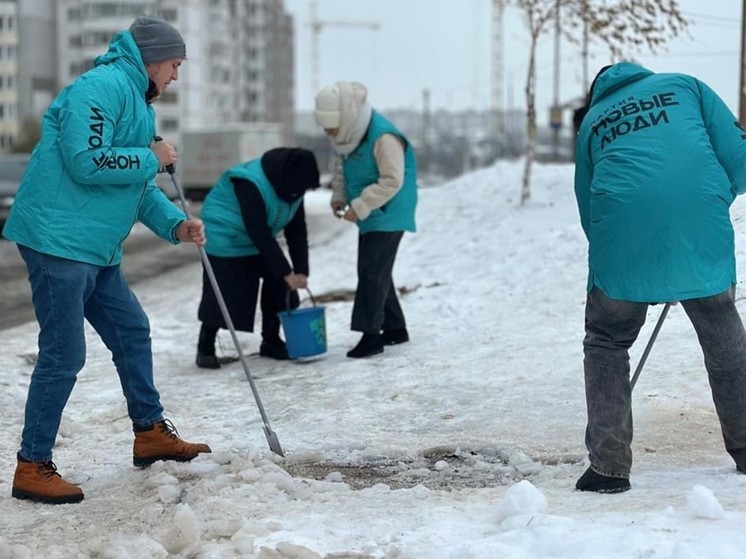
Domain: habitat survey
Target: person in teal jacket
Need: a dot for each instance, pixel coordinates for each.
(89, 180)
(659, 160)
(375, 187)
(249, 206)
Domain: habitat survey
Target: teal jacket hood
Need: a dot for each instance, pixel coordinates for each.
(125, 51)
(616, 77)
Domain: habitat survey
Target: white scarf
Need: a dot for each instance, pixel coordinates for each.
(354, 118)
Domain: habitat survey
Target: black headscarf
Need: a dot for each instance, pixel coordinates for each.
(291, 171)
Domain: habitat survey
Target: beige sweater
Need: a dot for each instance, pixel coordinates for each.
(388, 152)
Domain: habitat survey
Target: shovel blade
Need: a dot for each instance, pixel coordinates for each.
(274, 442)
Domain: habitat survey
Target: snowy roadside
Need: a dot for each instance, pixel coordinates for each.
(464, 443)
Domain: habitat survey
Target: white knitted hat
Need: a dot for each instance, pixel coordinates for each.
(328, 113)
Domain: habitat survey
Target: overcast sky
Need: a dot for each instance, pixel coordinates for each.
(444, 46)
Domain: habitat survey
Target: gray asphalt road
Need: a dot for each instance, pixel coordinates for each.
(145, 256)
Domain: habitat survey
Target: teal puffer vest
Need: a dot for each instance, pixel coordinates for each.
(221, 214)
(360, 170)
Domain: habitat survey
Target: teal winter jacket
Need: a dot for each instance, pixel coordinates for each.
(360, 170)
(91, 176)
(221, 213)
(659, 160)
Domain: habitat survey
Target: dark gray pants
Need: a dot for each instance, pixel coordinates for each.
(611, 327)
(376, 305)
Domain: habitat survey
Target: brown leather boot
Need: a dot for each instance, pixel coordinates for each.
(40, 482)
(161, 442)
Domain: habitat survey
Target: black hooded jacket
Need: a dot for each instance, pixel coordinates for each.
(291, 171)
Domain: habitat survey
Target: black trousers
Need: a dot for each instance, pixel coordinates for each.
(376, 305)
(238, 279)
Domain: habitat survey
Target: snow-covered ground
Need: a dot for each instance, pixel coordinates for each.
(463, 444)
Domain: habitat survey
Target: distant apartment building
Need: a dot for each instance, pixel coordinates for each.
(9, 124)
(265, 59)
(28, 79)
(239, 65)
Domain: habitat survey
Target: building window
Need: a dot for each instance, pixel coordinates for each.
(169, 124)
(170, 97)
(96, 38)
(169, 14)
(77, 68)
(95, 10)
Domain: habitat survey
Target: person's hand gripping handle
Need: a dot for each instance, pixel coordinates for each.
(191, 230)
(165, 153)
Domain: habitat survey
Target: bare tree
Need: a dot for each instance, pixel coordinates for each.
(538, 14)
(624, 26)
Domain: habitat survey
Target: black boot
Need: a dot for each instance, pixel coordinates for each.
(739, 456)
(272, 345)
(275, 349)
(394, 337)
(369, 344)
(206, 358)
(592, 481)
(207, 361)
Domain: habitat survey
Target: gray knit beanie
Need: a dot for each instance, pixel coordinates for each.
(157, 39)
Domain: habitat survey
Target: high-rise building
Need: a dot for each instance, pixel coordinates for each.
(265, 62)
(239, 65)
(28, 80)
(8, 74)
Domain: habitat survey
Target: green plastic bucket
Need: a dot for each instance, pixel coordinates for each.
(305, 329)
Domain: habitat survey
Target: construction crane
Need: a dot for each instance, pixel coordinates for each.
(497, 128)
(317, 26)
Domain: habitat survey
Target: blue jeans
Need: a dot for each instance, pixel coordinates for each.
(65, 293)
(611, 327)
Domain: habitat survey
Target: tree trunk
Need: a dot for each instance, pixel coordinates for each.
(530, 122)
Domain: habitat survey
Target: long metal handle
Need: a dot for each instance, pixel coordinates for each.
(274, 443)
(648, 347)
